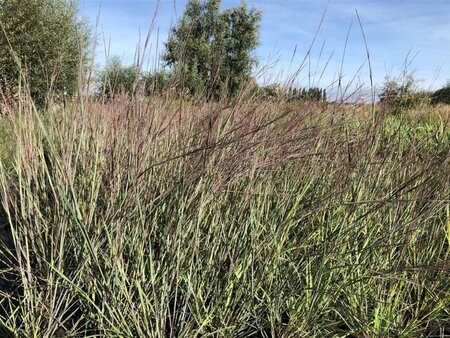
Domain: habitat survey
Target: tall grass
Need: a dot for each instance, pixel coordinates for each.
(159, 218)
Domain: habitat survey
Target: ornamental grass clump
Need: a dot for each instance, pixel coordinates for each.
(261, 218)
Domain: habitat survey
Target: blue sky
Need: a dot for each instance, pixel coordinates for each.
(393, 30)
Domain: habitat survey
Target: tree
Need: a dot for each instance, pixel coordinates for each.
(210, 50)
(44, 42)
(309, 94)
(442, 95)
(118, 78)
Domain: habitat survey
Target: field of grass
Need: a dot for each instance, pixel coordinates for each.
(264, 218)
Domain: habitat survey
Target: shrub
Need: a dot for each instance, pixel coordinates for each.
(402, 93)
(442, 95)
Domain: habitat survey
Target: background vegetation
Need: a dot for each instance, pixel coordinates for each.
(44, 43)
(210, 50)
(442, 95)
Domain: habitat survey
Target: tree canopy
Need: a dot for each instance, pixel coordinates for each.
(42, 41)
(210, 50)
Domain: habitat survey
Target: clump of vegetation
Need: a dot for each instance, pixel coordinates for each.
(116, 78)
(309, 94)
(158, 82)
(209, 55)
(442, 95)
(210, 219)
(210, 50)
(42, 43)
(401, 94)
(7, 143)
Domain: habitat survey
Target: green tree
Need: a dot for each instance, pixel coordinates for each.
(442, 95)
(43, 41)
(118, 78)
(312, 94)
(210, 50)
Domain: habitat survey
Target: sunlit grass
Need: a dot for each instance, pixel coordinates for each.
(260, 219)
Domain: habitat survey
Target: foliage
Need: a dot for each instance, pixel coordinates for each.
(294, 94)
(442, 95)
(7, 142)
(158, 82)
(210, 218)
(227, 221)
(210, 50)
(271, 91)
(400, 94)
(44, 42)
(308, 94)
(118, 78)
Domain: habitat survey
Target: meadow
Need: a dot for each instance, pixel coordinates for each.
(161, 217)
